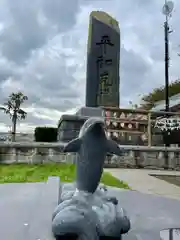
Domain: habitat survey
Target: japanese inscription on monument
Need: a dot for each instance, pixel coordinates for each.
(103, 63)
(102, 85)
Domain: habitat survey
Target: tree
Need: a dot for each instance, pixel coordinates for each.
(134, 106)
(158, 94)
(13, 108)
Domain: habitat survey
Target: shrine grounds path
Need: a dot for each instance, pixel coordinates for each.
(162, 183)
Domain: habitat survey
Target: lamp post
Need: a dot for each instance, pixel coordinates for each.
(166, 38)
(167, 10)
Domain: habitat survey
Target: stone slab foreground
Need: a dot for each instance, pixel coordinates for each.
(26, 210)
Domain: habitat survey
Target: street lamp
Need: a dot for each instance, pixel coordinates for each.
(167, 10)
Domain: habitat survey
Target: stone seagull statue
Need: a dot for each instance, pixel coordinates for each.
(85, 210)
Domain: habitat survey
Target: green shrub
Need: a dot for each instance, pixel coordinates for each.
(45, 134)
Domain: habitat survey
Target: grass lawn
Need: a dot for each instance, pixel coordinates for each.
(11, 173)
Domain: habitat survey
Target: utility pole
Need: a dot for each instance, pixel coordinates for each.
(166, 38)
(167, 10)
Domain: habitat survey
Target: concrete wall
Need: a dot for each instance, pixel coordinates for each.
(35, 156)
(131, 159)
(144, 160)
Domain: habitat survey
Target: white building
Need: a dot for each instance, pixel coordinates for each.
(174, 104)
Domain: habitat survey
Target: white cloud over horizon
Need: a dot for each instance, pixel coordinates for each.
(43, 53)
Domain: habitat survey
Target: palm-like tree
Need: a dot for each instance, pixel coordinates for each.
(13, 108)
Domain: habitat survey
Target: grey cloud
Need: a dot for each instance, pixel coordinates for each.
(31, 119)
(18, 49)
(25, 32)
(144, 24)
(51, 81)
(55, 88)
(5, 72)
(157, 52)
(59, 103)
(133, 63)
(134, 71)
(61, 13)
(33, 23)
(38, 121)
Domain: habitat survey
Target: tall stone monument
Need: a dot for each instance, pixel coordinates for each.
(103, 56)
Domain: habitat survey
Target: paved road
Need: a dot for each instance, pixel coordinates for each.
(140, 180)
(26, 211)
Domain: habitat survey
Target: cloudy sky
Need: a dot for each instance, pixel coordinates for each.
(43, 53)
